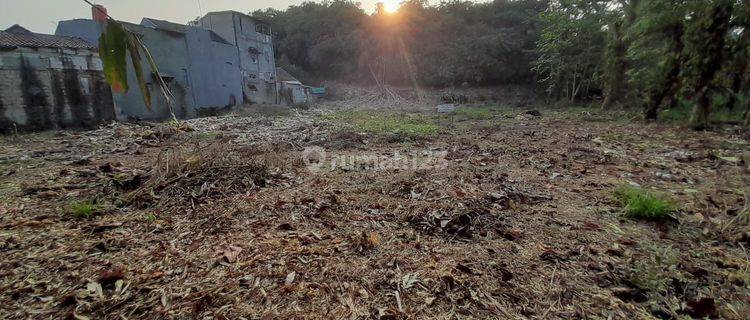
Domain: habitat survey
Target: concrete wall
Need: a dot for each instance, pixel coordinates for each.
(170, 54)
(85, 29)
(214, 73)
(257, 64)
(169, 51)
(202, 73)
(52, 88)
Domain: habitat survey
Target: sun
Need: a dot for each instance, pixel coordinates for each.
(391, 6)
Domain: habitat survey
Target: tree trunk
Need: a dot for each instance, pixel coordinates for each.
(740, 73)
(617, 81)
(710, 61)
(670, 83)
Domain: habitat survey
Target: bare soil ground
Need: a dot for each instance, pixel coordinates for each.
(222, 218)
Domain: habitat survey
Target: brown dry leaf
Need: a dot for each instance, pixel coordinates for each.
(231, 253)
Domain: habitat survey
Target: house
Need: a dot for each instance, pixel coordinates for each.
(254, 43)
(200, 67)
(219, 61)
(291, 91)
(50, 82)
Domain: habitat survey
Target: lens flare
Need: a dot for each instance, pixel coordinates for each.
(391, 6)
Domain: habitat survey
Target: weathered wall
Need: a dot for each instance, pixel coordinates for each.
(294, 94)
(214, 72)
(170, 54)
(201, 73)
(258, 66)
(52, 88)
(85, 29)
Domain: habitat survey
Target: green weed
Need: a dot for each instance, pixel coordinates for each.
(655, 272)
(413, 125)
(482, 113)
(682, 114)
(638, 203)
(84, 209)
(151, 217)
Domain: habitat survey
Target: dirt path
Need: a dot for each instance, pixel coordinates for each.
(506, 216)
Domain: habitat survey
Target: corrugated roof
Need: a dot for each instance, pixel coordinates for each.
(38, 40)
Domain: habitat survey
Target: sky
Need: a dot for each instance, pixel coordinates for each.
(41, 16)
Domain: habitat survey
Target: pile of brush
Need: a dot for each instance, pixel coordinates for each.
(202, 172)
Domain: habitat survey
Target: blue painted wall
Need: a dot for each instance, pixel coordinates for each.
(201, 70)
(255, 51)
(214, 73)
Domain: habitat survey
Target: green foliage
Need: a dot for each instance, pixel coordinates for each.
(411, 125)
(84, 209)
(135, 58)
(115, 44)
(152, 217)
(113, 50)
(475, 113)
(682, 114)
(571, 48)
(642, 204)
(656, 271)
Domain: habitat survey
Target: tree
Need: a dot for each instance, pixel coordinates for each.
(616, 60)
(705, 37)
(571, 47)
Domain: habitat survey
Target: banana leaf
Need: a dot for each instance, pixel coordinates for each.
(112, 51)
(135, 56)
(113, 45)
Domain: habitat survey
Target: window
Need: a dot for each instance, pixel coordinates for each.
(263, 28)
(254, 53)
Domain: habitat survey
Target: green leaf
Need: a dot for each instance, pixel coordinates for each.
(112, 47)
(135, 56)
(162, 85)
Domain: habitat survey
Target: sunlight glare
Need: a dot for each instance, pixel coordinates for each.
(392, 6)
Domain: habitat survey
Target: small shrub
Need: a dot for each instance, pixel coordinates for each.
(642, 204)
(654, 272)
(84, 209)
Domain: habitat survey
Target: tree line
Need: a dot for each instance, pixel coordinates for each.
(652, 54)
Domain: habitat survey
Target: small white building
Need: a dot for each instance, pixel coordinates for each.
(291, 91)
